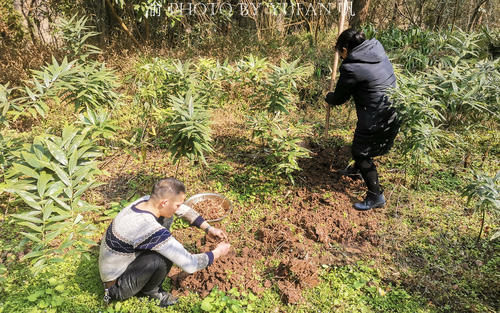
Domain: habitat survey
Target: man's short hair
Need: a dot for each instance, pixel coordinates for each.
(166, 186)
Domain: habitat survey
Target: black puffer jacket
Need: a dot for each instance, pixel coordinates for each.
(366, 74)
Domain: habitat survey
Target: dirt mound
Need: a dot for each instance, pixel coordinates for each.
(326, 219)
(232, 270)
(293, 275)
(299, 237)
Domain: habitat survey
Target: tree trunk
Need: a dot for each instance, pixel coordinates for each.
(334, 67)
(360, 10)
(421, 12)
(395, 13)
(102, 22)
(122, 24)
(475, 14)
(439, 15)
(455, 15)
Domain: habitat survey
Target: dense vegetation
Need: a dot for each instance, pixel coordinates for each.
(91, 130)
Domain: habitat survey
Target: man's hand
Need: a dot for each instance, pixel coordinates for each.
(221, 250)
(218, 233)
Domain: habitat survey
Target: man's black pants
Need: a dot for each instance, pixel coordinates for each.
(144, 275)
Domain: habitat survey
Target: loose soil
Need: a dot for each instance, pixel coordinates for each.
(286, 249)
(311, 225)
(210, 209)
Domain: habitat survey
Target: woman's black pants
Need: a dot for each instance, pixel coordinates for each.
(144, 275)
(369, 173)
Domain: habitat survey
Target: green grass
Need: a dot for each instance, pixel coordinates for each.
(359, 288)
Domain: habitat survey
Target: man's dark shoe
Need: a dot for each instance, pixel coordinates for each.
(372, 200)
(351, 171)
(167, 299)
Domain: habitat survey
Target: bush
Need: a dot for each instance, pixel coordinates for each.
(444, 103)
(188, 131)
(282, 142)
(50, 176)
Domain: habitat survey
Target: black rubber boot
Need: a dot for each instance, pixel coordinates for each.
(371, 201)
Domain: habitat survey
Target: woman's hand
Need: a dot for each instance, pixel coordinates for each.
(218, 233)
(329, 98)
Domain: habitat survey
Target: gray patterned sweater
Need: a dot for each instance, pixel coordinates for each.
(133, 231)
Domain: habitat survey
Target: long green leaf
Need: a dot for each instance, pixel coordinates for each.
(88, 241)
(32, 226)
(42, 183)
(61, 174)
(81, 173)
(24, 170)
(60, 225)
(54, 189)
(58, 218)
(57, 152)
(68, 134)
(30, 217)
(29, 199)
(63, 204)
(66, 244)
(33, 160)
(32, 237)
(32, 254)
(47, 212)
(82, 189)
(73, 162)
(53, 235)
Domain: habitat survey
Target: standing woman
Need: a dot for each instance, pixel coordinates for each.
(365, 74)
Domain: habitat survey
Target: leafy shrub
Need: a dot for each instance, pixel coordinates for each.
(99, 123)
(81, 82)
(416, 49)
(188, 131)
(155, 84)
(273, 86)
(5, 104)
(75, 33)
(444, 103)
(51, 176)
(486, 190)
(213, 77)
(273, 90)
(8, 144)
(413, 48)
(47, 85)
(253, 69)
(281, 141)
(158, 79)
(83, 85)
(94, 87)
(469, 93)
(420, 115)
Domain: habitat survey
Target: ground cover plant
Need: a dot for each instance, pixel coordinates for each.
(81, 138)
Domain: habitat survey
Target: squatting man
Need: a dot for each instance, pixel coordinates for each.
(138, 250)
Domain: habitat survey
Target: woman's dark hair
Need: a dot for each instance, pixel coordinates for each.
(350, 39)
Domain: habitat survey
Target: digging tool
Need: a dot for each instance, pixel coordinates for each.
(343, 12)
